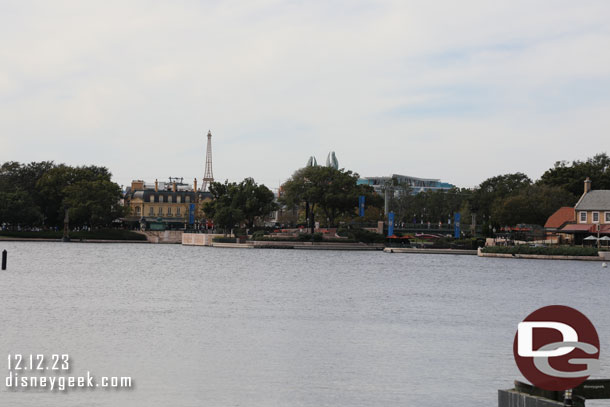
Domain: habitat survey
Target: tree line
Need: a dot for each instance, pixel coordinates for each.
(38, 194)
(504, 200)
(234, 204)
(327, 195)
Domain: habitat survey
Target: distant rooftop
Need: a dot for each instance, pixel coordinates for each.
(398, 176)
(596, 200)
(562, 216)
(417, 184)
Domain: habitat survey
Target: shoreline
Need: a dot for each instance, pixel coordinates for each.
(603, 256)
(462, 252)
(33, 239)
(540, 257)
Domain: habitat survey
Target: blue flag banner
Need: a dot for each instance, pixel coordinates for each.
(361, 205)
(456, 225)
(191, 214)
(390, 223)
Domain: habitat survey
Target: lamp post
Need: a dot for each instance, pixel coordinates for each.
(598, 230)
(66, 236)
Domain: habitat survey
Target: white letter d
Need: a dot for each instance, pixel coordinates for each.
(525, 338)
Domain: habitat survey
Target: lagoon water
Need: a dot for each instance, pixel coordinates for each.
(196, 326)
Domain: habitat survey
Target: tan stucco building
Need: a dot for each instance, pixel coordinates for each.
(164, 205)
(591, 215)
(593, 207)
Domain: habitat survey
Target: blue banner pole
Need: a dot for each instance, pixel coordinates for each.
(191, 214)
(390, 224)
(361, 205)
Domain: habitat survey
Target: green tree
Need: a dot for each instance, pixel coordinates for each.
(498, 187)
(94, 203)
(234, 203)
(571, 176)
(18, 185)
(255, 201)
(59, 187)
(15, 176)
(334, 192)
(227, 217)
(18, 208)
(531, 205)
(220, 209)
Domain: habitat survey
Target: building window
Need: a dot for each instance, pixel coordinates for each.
(607, 217)
(160, 198)
(178, 211)
(160, 211)
(137, 210)
(188, 199)
(169, 199)
(583, 217)
(169, 211)
(179, 199)
(151, 211)
(595, 217)
(151, 198)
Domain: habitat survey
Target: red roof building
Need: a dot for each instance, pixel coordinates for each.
(560, 218)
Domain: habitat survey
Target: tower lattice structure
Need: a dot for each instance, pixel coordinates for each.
(208, 175)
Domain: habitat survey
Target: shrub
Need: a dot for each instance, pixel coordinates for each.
(366, 236)
(307, 237)
(258, 235)
(343, 231)
(360, 235)
(221, 239)
(101, 234)
(277, 239)
(441, 243)
(467, 244)
(239, 232)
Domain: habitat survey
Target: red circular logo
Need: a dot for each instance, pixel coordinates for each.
(556, 348)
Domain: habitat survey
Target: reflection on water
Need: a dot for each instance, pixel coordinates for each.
(198, 326)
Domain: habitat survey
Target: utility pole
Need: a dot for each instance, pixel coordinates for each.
(473, 225)
(386, 201)
(598, 230)
(66, 237)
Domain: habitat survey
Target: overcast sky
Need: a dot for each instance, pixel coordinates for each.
(457, 90)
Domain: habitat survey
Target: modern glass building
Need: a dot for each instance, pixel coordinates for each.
(417, 184)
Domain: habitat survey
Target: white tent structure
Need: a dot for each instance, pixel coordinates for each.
(605, 239)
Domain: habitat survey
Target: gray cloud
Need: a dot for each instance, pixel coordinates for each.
(456, 90)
